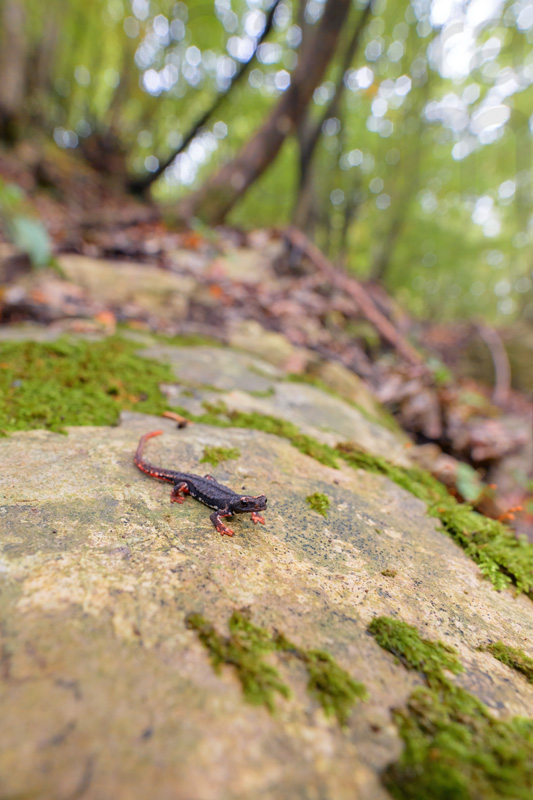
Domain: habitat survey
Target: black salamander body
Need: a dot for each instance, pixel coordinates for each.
(206, 489)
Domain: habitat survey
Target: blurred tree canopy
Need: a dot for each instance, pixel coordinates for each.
(409, 159)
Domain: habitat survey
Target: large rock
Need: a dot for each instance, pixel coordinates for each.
(105, 691)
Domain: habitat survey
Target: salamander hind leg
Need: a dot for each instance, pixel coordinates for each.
(176, 496)
(219, 525)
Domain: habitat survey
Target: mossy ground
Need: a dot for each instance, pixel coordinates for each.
(511, 657)
(245, 649)
(216, 455)
(318, 502)
(454, 748)
(76, 382)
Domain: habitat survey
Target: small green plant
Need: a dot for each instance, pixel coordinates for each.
(318, 502)
(26, 232)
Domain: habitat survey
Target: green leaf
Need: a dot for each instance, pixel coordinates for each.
(468, 482)
(32, 237)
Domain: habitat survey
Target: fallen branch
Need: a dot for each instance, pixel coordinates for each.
(500, 361)
(352, 287)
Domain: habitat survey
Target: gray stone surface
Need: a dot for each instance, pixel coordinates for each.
(106, 694)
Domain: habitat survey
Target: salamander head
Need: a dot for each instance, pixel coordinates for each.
(249, 504)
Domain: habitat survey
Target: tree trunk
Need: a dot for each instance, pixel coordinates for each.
(219, 194)
(309, 133)
(140, 185)
(13, 52)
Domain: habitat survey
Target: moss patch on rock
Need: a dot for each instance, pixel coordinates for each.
(219, 414)
(405, 643)
(318, 502)
(245, 649)
(76, 382)
(454, 747)
(511, 657)
(216, 455)
(500, 555)
(332, 686)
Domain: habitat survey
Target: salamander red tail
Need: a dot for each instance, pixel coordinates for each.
(138, 458)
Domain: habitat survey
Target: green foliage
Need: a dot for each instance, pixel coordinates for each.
(469, 483)
(245, 650)
(511, 657)
(453, 746)
(66, 382)
(318, 502)
(391, 184)
(215, 455)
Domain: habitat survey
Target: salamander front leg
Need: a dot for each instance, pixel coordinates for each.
(256, 518)
(177, 492)
(215, 518)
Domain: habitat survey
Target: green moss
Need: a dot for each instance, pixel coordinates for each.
(332, 686)
(389, 573)
(187, 340)
(404, 642)
(511, 657)
(245, 649)
(454, 748)
(318, 502)
(501, 556)
(263, 393)
(215, 455)
(219, 414)
(76, 382)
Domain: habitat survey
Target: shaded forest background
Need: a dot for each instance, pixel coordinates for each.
(397, 135)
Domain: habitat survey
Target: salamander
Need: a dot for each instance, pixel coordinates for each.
(206, 489)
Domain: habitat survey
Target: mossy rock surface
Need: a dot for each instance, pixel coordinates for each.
(106, 690)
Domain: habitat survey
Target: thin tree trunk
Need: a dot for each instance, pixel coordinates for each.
(13, 58)
(381, 260)
(219, 194)
(142, 184)
(309, 132)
